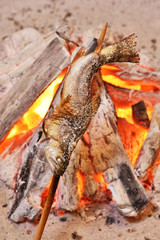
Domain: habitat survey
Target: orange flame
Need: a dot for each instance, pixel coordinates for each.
(35, 114)
(81, 183)
(33, 117)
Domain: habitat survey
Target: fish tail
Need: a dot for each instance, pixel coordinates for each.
(122, 51)
(128, 49)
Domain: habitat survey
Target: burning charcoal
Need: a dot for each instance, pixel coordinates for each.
(139, 114)
(110, 220)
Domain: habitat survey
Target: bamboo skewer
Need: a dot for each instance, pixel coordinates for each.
(47, 207)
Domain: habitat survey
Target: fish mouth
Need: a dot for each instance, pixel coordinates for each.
(57, 165)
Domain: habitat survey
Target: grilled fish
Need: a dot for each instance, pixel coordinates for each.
(72, 116)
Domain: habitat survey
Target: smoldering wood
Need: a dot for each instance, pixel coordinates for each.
(151, 144)
(127, 97)
(139, 114)
(142, 75)
(38, 76)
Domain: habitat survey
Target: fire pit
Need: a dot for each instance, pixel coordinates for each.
(125, 82)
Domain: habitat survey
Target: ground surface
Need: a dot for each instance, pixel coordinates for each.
(124, 17)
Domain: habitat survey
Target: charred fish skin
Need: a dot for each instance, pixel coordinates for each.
(72, 116)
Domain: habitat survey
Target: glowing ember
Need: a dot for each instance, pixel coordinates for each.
(99, 178)
(80, 183)
(108, 76)
(137, 136)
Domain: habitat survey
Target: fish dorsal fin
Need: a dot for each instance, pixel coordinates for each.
(79, 54)
(101, 38)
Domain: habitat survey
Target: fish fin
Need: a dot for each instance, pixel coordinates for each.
(79, 54)
(95, 103)
(101, 38)
(65, 109)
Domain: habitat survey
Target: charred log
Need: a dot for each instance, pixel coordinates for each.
(139, 114)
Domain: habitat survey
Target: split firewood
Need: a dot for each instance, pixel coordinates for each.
(156, 177)
(150, 146)
(109, 156)
(102, 153)
(121, 96)
(137, 74)
(38, 76)
(32, 175)
(20, 51)
(139, 114)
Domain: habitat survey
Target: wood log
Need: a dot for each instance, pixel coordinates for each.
(126, 189)
(31, 175)
(32, 178)
(147, 78)
(127, 97)
(23, 48)
(151, 144)
(39, 75)
(156, 179)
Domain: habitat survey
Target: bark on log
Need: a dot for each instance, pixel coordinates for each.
(151, 144)
(41, 73)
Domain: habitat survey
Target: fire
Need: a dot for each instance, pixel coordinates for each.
(108, 75)
(139, 134)
(81, 182)
(33, 117)
(99, 178)
(36, 113)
